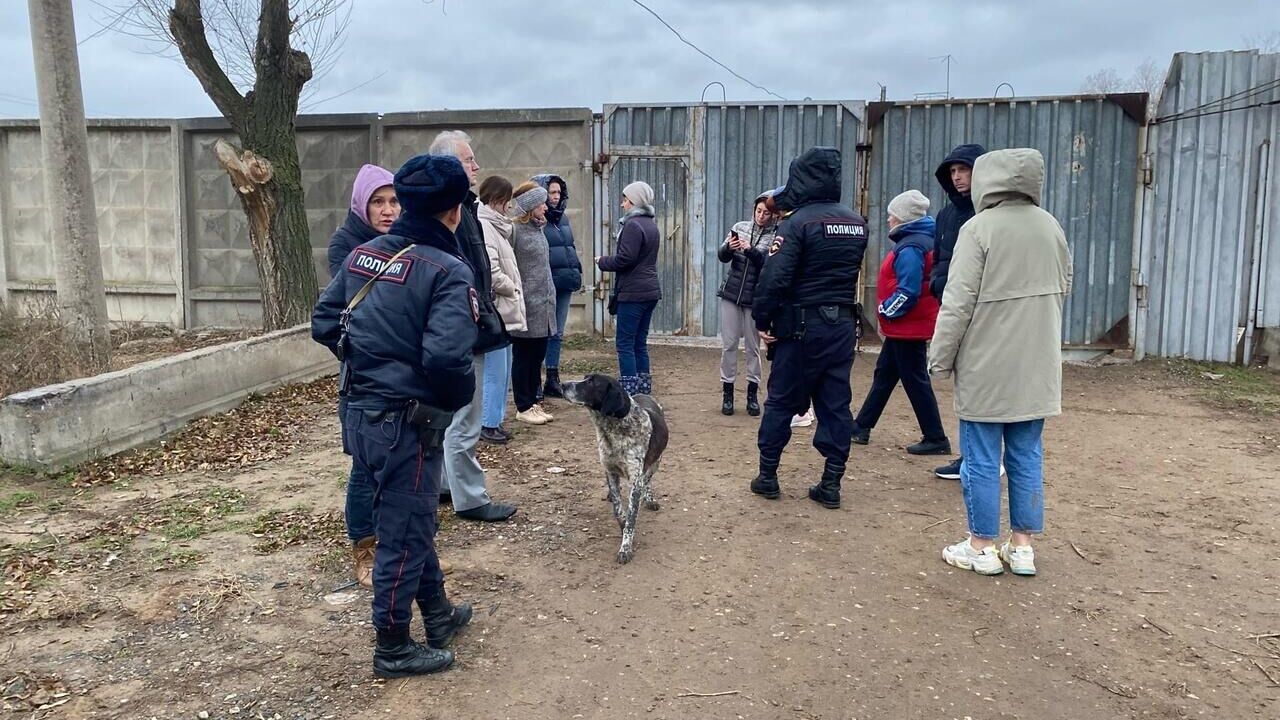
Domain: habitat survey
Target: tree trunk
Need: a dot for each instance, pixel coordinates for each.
(267, 177)
(68, 184)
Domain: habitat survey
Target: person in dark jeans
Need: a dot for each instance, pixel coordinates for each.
(566, 271)
(529, 346)
(908, 311)
(955, 175)
(636, 288)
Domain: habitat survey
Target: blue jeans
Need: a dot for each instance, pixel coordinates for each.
(564, 299)
(360, 491)
(497, 377)
(980, 475)
(632, 337)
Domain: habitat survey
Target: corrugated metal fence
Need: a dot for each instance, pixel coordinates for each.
(1090, 146)
(1212, 212)
(722, 155)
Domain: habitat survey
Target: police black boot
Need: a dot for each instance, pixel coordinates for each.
(765, 483)
(726, 405)
(753, 399)
(827, 492)
(397, 656)
(552, 387)
(443, 619)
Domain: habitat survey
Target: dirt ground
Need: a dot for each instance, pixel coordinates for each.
(210, 591)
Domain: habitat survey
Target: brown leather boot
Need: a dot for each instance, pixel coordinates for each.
(363, 553)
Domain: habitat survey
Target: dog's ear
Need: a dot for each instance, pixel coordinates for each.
(614, 401)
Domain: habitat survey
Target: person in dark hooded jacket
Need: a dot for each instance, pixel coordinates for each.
(955, 175)
(566, 271)
(804, 309)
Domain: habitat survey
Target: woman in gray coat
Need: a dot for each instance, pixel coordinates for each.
(529, 346)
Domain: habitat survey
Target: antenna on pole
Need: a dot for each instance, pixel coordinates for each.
(946, 60)
(884, 91)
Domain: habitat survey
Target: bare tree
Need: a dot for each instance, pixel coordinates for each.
(1106, 80)
(1267, 42)
(253, 58)
(1148, 77)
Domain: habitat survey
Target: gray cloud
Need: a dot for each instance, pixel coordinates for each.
(502, 53)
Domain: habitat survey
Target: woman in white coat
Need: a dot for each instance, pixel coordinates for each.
(495, 196)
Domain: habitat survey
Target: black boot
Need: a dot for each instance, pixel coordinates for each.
(753, 399)
(552, 387)
(397, 656)
(827, 492)
(443, 620)
(861, 435)
(765, 483)
(726, 405)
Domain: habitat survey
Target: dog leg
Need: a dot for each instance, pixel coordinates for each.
(649, 502)
(615, 495)
(627, 551)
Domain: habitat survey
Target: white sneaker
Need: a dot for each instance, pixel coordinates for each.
(543, 412)
(532, 417)
(1021, 559)
(804, 420)
(963, 556)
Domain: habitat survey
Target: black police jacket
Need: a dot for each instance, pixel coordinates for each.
(411, 336)
(815, 258)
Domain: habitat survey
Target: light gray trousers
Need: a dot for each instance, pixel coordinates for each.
(462, 472)
(735, 325)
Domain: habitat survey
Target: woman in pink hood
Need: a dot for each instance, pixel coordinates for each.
(373, 209)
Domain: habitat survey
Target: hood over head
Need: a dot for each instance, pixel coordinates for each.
(1001, 175)
(814, 177)
(554, 213)
(369, 180)
(963, 154)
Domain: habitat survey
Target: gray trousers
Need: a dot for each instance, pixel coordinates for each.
(462, 472)
(735, 325)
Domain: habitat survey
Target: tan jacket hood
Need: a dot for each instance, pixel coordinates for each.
(1004, 175)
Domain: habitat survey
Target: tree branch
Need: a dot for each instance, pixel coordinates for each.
(187, 27)
(276, 60)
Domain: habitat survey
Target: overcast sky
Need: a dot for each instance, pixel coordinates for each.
(503, 53)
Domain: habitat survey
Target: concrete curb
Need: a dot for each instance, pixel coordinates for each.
(56, 426)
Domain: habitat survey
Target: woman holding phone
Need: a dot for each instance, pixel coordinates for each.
(744, 251)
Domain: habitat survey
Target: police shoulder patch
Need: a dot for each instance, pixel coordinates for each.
(368, 262)
(843, 229)
(776, 246)
(475, 305)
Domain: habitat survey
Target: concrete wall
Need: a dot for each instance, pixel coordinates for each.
(61, 425)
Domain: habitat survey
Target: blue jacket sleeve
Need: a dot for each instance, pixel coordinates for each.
(908, 265)
(627, 254)
(775, 280)
(447, 340)
(325, 328)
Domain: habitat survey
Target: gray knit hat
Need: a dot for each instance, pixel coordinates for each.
(909, 206)
(531, 199)
(639, 193)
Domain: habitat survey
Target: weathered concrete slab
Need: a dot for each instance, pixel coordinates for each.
(60, 425)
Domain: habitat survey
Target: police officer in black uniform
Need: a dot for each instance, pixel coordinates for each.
(401, 315)
(804, 310)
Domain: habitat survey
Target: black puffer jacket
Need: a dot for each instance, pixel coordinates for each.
(566, 267)
(817, 254)
(739, 286)
(350, 235)
(952, 217)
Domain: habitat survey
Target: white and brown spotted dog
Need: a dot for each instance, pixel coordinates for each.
(631, 433)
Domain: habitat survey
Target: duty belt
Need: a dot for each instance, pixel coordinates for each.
(842, 312)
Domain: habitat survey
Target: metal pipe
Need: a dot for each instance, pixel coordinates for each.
(1261, 192)
(724, 94)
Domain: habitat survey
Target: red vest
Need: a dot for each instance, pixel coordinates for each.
(918, 323)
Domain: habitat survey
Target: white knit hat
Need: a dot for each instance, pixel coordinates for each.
(639, 193)
(909, 206)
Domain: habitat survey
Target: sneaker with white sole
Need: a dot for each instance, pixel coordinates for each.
(803, 421)
(1021, 559)
(532, 417)
(965, 557)
(543, 412)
